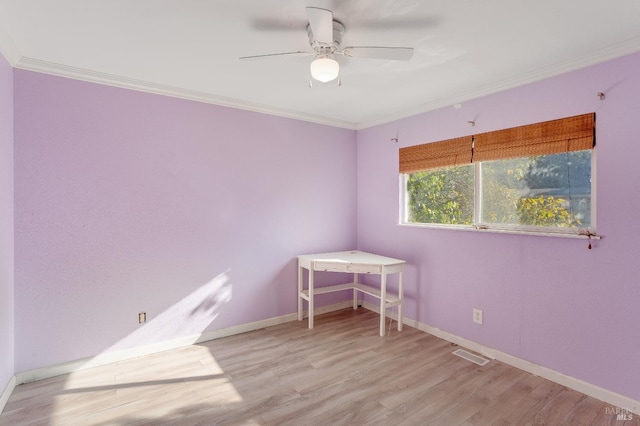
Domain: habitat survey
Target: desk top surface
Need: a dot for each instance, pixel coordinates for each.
(351, 256)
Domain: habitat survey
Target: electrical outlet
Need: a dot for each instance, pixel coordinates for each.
(477, 315)
(142, 317)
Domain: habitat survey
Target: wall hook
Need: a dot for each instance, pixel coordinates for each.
(394, 140)
(471, 123)
(601, 96)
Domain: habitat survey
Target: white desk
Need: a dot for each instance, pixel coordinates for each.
(355, 262)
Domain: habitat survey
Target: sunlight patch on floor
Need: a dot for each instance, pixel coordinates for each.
(139, 373)
(142, 386)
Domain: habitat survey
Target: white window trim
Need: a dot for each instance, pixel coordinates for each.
(588, 233)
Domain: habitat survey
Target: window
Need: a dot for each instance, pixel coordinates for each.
(530, 178)
(443, 195)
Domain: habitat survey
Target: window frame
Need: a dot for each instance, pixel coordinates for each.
(577, 232)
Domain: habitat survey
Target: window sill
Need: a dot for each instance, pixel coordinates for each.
(579, 233)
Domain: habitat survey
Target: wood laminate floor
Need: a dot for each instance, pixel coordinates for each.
(339, 373)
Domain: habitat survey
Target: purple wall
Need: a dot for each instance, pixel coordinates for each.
(129, 202)
(547, 300)
(6, 225)
(194, 213)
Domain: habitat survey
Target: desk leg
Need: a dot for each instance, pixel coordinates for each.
(401, 296)
(311, 269)
(355, 292)
(299, 292)
(383, 299)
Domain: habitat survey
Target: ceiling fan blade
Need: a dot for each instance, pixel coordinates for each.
(394, 24)
(301, 53)
(272, 24)
(321, 22)
(377, 52)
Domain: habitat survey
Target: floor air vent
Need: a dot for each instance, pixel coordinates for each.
(471, 357)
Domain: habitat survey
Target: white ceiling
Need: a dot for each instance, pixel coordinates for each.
(190, 48)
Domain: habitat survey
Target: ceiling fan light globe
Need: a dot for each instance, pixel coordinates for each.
(325, 69)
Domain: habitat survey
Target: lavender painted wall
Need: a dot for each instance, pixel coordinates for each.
(6, 225)
(129, 202)
(194, 213)
(547, 300)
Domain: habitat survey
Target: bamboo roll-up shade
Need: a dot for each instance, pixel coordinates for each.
(551, 137)
(451, 152)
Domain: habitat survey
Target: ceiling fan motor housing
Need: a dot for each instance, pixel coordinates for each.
(338, 31)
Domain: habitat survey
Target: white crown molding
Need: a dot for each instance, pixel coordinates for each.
(8, 49)
(60, 70)
(593, 58)
(581, 386)
(31, 64)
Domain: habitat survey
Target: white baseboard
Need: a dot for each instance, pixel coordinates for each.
(107, 358)
(8, 390)
(102, 359)
(602, 394)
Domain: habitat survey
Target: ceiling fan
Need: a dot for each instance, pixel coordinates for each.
(325, 36)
